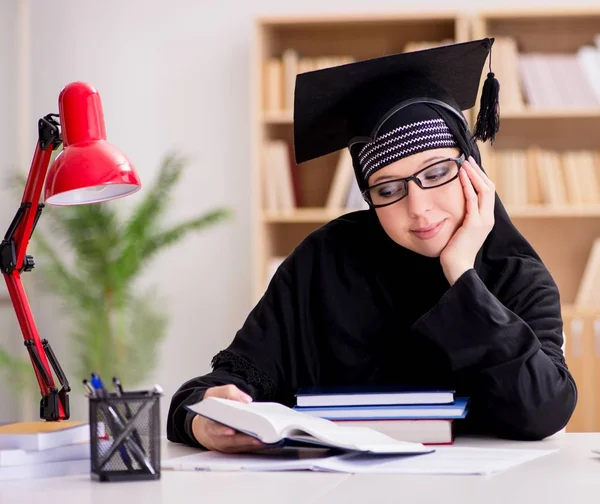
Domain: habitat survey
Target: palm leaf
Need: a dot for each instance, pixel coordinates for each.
(132, 260)
(60, 279)
(172, 235)
(157, 197)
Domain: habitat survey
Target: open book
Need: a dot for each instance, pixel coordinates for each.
(275, 424)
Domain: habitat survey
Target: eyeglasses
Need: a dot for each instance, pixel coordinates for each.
(430, 177)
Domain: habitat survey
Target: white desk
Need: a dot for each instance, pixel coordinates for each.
(570, 475)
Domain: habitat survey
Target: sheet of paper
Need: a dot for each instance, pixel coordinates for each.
(445, 460)
(285, 459)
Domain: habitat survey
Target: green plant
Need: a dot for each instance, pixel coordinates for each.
(114, 327)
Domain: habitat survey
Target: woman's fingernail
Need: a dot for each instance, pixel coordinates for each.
(246, 398)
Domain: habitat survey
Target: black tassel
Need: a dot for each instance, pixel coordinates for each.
(488, 118)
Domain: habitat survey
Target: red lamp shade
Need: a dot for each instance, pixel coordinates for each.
(89, 169)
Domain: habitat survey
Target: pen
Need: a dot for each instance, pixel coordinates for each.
(98, 390)
(91, 391)
(128, 413)
(118, 425)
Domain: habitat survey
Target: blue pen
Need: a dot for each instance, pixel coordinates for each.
(97, 384)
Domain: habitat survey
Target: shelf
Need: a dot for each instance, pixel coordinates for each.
(548, 13)
(557, 113)
(315, 214)
(287, 116)
(301, 215)
(359, 18)
(567, 211)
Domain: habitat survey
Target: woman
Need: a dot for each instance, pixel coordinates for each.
(432, 286)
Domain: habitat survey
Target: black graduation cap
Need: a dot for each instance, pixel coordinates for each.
(335, 106)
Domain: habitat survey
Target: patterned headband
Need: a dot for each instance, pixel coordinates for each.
(404, 141)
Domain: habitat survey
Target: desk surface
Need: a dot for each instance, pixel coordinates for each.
(570, 475)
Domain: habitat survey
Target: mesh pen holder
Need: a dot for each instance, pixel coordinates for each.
(125, 436)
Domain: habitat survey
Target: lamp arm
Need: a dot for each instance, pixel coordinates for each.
(54, 404)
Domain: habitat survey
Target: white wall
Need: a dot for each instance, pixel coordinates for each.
(10, 338)
(175, 74)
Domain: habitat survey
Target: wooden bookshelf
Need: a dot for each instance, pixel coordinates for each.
(563, 234)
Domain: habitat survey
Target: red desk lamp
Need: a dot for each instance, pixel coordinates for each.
(88, 170)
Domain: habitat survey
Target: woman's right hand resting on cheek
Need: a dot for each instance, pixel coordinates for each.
(218, 437)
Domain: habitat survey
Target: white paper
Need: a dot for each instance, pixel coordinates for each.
(445, 460)
(287, 459)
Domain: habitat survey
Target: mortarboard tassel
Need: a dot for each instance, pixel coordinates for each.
(488, 118)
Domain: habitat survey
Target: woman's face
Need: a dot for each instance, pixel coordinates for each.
(424, 220)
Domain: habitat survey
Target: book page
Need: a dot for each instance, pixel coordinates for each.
(286, 421)
(301, 427)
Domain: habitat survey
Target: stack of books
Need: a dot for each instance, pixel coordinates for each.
(420, 416)
(43, 449)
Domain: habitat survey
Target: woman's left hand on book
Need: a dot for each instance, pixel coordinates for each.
(218, 437)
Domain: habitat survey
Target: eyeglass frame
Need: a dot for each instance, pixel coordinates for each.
(367, 197)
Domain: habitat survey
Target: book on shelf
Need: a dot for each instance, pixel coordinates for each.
(588, 294)
(546, 80)
(343, 177)
(344, 192)
(280, 76)
(528, 79)
(421, 45)
(365, 395)
(537, 176)
(277, 425)
(280, 183)
(561, 80)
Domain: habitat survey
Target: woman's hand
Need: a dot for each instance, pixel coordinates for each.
(218, 437)
(459, 254)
